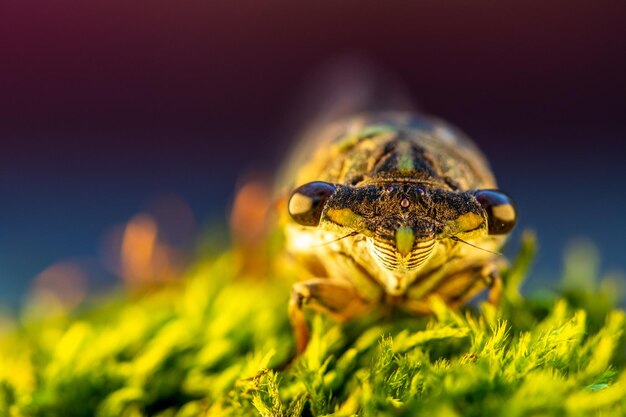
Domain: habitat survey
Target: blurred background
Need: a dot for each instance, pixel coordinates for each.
(129, 124)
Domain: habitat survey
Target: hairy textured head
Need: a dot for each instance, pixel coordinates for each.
(401, 222)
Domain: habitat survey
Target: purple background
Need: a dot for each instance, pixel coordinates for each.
(104, 104)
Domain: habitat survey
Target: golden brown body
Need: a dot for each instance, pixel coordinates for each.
(391, 207)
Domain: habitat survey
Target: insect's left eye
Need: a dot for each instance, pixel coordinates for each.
(501, 213)
(307, 202)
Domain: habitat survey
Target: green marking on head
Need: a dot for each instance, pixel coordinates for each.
(346, 217)
(405, 238)
(465, 223)
(469, 221)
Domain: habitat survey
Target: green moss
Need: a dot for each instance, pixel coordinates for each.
(216, 345)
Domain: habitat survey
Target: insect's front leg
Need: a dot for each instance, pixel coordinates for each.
(495, 287)
(466, 284)
(334, 297)
(459, 287)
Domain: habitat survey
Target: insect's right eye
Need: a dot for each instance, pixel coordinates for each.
(500, 210)
(307, 202)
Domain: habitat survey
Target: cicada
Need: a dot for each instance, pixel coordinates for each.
(391, 209)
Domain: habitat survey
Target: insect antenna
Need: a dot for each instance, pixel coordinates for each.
(337, 240)
(458, 239)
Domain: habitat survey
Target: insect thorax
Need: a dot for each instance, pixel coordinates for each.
(395, 147)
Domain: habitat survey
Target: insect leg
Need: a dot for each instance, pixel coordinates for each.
(495, 288)
(461, 286)
(336, 298)
(466, 284)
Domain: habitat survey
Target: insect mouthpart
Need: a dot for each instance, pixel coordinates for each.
(397, 259)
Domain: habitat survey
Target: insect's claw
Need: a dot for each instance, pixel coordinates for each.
(336, 298)
(495, 289)
(298, 295)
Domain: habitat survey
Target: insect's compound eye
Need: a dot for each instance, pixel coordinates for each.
(307, 202)
(501, 213)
